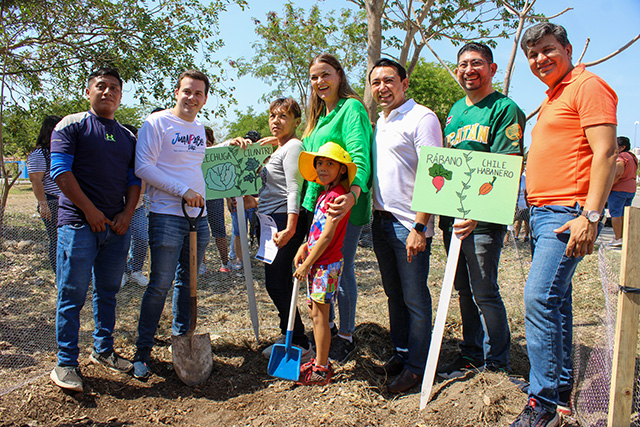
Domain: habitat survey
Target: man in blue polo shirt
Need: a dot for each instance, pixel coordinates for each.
(92, 159)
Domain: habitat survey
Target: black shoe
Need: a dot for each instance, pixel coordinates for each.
(340, 349)
(391, 368)
(141, 361)
(534, 415)
(459, 367)
(404, 382)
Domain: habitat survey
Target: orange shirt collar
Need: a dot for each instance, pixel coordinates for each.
(569, 78)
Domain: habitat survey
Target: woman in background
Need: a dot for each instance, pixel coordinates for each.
(45, 188)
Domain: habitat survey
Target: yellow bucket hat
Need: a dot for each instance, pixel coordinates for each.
(330, 150)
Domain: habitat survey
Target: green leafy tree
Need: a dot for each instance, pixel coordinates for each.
(246, 121)
(289, 41)
(52, 45)
(431, 86)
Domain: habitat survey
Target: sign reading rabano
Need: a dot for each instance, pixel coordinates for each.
(467, 184)
(232, 171)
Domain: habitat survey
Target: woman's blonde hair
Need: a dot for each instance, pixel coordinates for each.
(316, 105)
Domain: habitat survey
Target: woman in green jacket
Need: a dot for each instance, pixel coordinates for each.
(336, 113)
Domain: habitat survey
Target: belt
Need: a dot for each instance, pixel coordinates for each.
(384, 214)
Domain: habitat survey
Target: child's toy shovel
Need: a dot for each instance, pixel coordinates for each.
(285, 358)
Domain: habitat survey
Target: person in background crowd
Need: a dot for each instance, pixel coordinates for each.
(570, 170)
(624, 187)
(44, 187)
(215, 217)
(139, 235)
(92, 161)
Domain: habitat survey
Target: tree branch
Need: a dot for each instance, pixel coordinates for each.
(589, 64)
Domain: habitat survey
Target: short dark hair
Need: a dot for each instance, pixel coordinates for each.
(287, 104)
(624, 142)
(538, 31)
(482, 49)
(105, 71)
(386, 62)
(195, 75)
(132, 129)
(253, 135)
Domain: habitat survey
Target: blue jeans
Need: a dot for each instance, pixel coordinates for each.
(169, 243)
(348, 288)
(405, 285)
(485, 328)
(548, 305)
(139, 239)
(235, 230)
(80, 253)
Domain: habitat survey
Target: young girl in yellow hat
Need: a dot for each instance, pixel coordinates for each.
(320, 259)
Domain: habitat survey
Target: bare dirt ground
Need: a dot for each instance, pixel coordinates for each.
(239, 392)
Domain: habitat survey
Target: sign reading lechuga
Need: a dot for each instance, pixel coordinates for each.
(231, 171)
(467, 184)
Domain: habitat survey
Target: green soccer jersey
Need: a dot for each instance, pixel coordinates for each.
(493, 125)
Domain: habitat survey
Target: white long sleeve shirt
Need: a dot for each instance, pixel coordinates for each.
(169, 157)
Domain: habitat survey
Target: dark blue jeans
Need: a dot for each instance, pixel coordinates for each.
(139, 239)
(485, 327)
(83, 255)
(548, 305)
(169, 243)
(405, 285)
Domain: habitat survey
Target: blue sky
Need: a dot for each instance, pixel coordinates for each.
(609, 25)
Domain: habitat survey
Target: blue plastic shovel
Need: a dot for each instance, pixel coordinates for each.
(285, 359)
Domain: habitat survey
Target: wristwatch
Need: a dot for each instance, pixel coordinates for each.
(418, 227)
(592, 216)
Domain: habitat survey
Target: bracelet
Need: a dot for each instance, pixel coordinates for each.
(354, 195)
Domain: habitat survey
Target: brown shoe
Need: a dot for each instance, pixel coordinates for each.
(393, 366)
(404, 382)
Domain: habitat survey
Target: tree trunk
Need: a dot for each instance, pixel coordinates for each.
(374, 10)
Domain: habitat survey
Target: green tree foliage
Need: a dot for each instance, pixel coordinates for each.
(289, 41)
(432, 86)
(246, 121)
(50, 46)
(56, 43)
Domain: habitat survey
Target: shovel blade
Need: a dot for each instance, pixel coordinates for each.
(285, 363)
(192, 358)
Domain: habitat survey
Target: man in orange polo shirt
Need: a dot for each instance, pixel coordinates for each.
(570, 170)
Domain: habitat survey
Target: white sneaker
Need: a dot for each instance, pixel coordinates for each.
(139, 278)
(125, 279)
(266, 353)
(616, 243)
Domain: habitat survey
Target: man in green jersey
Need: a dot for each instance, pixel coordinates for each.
(484, 120)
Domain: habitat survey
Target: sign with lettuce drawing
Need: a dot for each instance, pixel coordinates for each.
(232, 171)
(467, 184)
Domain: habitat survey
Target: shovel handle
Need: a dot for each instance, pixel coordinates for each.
(193, 264)
(294, 304)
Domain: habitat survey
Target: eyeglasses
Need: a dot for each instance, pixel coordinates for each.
(475, 64)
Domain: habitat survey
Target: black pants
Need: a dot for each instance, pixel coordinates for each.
(279, 276)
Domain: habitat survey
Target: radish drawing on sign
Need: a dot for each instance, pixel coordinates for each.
(439, 174)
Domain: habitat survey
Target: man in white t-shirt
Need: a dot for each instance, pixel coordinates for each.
(402, 237)
(171, 148)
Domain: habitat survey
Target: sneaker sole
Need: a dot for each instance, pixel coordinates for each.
(563, 411)
(65, 386)
(119, 371)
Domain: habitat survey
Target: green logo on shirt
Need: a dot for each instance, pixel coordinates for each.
(110, 137)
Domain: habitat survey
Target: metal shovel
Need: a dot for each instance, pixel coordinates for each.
(192, 358)
(285, 359)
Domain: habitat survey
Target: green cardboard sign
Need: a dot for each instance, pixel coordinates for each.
(467, 184)
(231, 171)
